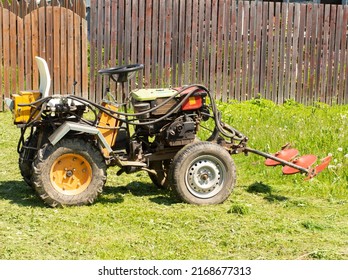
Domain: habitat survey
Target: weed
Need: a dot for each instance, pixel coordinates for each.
(239, 208)
(310, 225)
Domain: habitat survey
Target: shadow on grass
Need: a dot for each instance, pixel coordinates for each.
(18, 192)
(139, 189)
(260, 188)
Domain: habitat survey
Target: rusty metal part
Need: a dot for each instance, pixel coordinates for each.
(319, 168)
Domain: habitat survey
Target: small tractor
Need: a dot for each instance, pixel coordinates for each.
(64, 156)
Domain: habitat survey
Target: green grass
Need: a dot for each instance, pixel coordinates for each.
(268, 216)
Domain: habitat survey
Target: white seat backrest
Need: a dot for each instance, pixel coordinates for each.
(45, 78)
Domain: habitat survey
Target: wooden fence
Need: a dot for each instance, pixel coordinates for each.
(56, 32)
(240, 50)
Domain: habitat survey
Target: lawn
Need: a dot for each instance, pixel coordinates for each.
(268, 216)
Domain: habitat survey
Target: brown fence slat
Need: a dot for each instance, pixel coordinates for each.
(84, 63)
(219, 50)
(233, 50)
(70, 43)
(287, 77)
(302, 47)
(13, 53)
(56, 49)
(251, 50)
(148, 21)
(281, 71)
(200, 40)
(194, 44)
(258, 29)
(6, 50)
(35, 47)
(99, 49)
(181, 42)
(63, 51)
(239, 50)
(141, 47)
(168, 41)
(128, 26)
(134, 36)
(107, 41)
(277, 59)
(342, 59)
(93, 49)
(336, 55)
(206, 76)
(154, 43)
(161, 41)
(226, 40)
(77, 50)
(325, 55)
(263, 67)
(304, 93)
(245, 43)
(331, 52)
(312, 62)
(49, 42)
(213, 45)
(318, 51)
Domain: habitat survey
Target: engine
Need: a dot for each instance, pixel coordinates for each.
(171, 115)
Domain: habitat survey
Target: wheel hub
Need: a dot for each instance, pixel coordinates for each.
(205, 176)
(71, 174)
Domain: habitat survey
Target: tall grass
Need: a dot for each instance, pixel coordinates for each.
(268, 216)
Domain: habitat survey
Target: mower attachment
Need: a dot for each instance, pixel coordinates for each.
(292, 165)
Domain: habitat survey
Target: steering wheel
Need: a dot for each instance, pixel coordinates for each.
(121, 74)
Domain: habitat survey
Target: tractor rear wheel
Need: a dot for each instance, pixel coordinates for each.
(72, 172)
(203, 173)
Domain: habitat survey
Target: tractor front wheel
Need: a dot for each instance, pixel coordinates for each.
(203, 173)
(72, 172)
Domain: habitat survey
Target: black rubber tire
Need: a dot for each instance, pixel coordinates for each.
(46, 158)
(161, 179)
(26, 158)
(203, 173)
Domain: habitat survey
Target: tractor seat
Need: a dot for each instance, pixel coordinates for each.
(45, 77)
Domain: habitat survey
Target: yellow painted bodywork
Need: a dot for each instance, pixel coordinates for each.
(23, 113)
(108, 126)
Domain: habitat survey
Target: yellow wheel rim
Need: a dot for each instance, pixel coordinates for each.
(71, 174)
